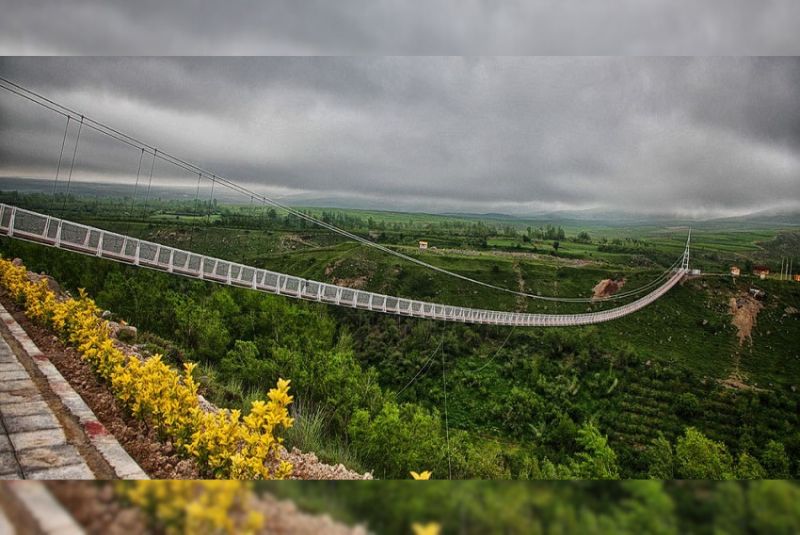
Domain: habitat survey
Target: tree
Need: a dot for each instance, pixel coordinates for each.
(775, 460)
(556, 245)
(730, 509)
(660, 459)
(773, 506)
(748, 467)
(243, 363)
(648, 509)
(698, 457)
(597, 460)
(200, 330)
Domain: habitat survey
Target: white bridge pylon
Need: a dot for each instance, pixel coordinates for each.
(43, 229)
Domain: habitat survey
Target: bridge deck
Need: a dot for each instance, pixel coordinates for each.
(32, 226)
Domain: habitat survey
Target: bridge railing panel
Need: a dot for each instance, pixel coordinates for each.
(26, 224)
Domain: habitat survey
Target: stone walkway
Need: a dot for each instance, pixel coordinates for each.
(32, 441)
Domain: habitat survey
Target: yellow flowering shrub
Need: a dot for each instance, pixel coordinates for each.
(431, 528)
(224, 443)
(230, 445)
(194, 507)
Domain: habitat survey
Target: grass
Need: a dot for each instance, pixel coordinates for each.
(310, 434)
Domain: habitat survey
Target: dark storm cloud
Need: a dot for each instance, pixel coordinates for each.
(346, 27)
(657, 135)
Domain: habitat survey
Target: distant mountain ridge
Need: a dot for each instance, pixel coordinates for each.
(779, 216)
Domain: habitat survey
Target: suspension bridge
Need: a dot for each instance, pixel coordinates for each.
(57, 232)
(32, 226)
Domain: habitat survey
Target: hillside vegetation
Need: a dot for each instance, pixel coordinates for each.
(667, 392)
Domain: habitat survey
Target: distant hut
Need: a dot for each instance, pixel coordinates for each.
(735, 271)
(761, 271)
(423, 245)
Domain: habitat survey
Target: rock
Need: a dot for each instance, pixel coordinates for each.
(705, 322)
(106, 314)
(122, 332)
(113, 328)
(127, 333)
(52, 285)
(206, 405)
(17, 262)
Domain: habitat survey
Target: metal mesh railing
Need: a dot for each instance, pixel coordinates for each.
(47, 230)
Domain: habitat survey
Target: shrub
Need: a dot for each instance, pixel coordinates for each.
(224, 443)
(686, 405)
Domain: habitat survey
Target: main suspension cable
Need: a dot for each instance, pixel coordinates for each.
(125, 138)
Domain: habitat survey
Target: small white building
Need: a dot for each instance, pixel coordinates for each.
(423, 245)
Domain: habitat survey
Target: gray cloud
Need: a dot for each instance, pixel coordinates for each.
(347, 27)
(702, 136)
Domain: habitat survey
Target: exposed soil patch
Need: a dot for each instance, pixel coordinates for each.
(97, 508)
(607, 287)
(744, 309)
(357, 283)
(291, 241)
(158, 460)
(735, 381)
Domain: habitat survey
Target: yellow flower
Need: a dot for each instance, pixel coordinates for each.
(422, 476)
(431, 528)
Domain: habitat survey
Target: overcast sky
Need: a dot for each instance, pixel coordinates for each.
(400, 27)
(700, 137)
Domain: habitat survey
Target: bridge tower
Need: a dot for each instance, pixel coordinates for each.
(685, 263)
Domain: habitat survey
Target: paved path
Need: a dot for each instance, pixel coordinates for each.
(32, 441)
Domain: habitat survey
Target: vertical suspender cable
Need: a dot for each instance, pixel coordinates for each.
(149, 184)
(196, 210)
(446, 422)
(135, 189)
(71, 167)
(211, 201)
(58, 167)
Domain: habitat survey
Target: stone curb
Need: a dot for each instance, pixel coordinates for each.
(103, 441)
(40, 505)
